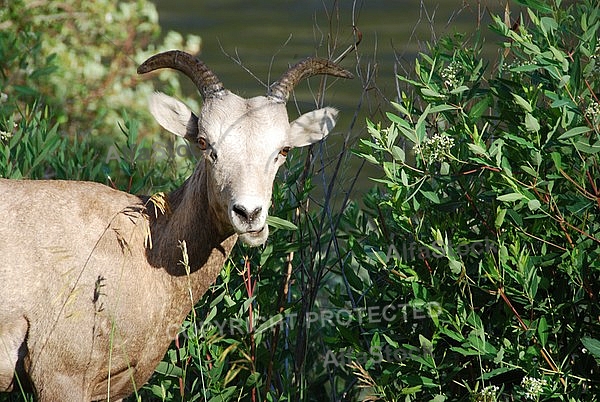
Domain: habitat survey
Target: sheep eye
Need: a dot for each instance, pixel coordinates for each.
(284, 151)
(202, 143)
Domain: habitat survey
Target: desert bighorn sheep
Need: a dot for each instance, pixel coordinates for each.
(90, 277)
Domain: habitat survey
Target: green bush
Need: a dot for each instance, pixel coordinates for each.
(488, 220)
(80, 130)
(81, 59)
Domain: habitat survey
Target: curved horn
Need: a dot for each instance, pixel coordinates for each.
(205, 80)
(306, 68)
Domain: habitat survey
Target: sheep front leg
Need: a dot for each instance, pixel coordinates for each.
(13, 351)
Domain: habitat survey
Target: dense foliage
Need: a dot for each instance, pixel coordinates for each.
(68, 84)
(470, 272)
(491, 201)
(79, 56)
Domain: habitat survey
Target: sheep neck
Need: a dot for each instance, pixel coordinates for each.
(189, 218)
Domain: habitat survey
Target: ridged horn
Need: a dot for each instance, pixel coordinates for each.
(282, 88)
(205, 80)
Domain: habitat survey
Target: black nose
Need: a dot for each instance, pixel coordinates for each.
(244, 215)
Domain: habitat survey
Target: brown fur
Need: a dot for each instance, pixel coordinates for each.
(78, 261)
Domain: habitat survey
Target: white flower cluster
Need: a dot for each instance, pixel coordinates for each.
(4, 135)
(592, 111)
(516, 63)
(595, 58)
(533, 387)
(437, 148)
(451, 75)
(488, 394)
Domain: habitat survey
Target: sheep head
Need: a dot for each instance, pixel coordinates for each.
(244, 141)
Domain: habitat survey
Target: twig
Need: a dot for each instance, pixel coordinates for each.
(250, 292)
(524, 327)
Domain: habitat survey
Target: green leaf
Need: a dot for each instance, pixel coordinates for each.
(394, 118)
(496, 372)
(427, 382)
(459, 90)
(548, 24)
(431, 93)
(523, 103)
(557, 160)
(390, 341)
(398, 154)
(272, 321)
(426, 344)
(465, 352)
(478, 109)
(564, 80)
(431, 196)
(574, 131)
(353, 279)
(510, 197)
(525, 68)
(404, 178)
(400, 107)
(169, 370)
(529, 170)
(531, 123)
(477, 149)
(584, 145)
(592, 345)
(392, 134)
(279, 223)
(500, 217)
(519, 140)
(455, 266)
(267, 252)
(369, 158)
(25, 90)
(411, 390)
(453, 334)
(442, 108)
(543, 331)
(445, 168)
(253, 379)
(533, 205)
(558, 103)
(224, 395)
(375, 341)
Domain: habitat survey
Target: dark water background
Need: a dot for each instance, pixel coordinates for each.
(268, 35)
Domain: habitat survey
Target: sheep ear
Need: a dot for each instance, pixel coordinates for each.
(174, 116)
(312, 127)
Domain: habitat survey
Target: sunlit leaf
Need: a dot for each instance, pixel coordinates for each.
(523, 103)
(574, 131)
(280, 223)
(510, 197)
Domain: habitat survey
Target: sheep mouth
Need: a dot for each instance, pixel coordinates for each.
(256, 232)
(255, 238)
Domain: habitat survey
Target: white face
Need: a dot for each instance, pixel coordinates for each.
(245, 141)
